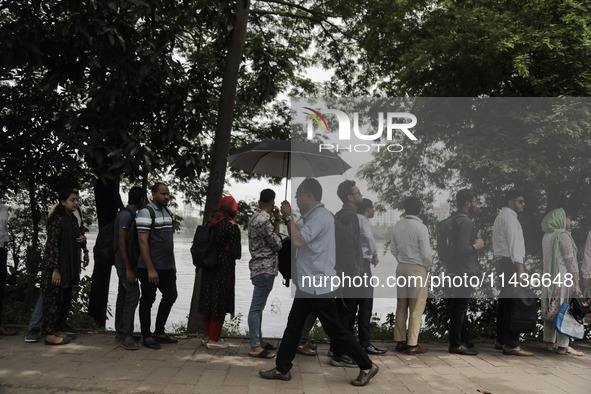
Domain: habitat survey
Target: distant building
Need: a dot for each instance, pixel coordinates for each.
(440, 211)
(189, 209)
(387, 218)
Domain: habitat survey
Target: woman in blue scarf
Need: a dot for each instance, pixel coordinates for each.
(559, 252)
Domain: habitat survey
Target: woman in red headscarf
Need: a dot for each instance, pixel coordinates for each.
(217, 284)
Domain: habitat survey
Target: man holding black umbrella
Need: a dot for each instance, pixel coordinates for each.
(315, 261)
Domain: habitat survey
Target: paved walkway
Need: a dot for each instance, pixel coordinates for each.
(95, 363)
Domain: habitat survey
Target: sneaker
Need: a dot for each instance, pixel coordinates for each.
(67, 329)
(371, 349)
(275, 374)
(32, 335)
(365, 377)
(343, 361)
(129, 344)
(221, 344)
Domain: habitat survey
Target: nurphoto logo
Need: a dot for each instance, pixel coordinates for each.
(391, 122)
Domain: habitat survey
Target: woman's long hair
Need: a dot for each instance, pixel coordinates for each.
(60, 210)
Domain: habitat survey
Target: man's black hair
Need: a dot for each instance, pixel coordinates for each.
(344, 189)
(512, 194)
(366, 203)
(136, 194)
(464, 195)
(156, 186)
(313, 186)
(267, 196)
(412, 206)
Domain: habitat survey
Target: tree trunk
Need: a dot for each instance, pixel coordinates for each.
(221, 145)
(108, 202)
(33, 259)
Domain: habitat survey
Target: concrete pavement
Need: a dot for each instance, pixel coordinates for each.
(96, 363)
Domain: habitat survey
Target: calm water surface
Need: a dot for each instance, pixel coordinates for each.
(278, 304)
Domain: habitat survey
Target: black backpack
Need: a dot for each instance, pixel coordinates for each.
(285, 257)
(446, 240)
(524, 312)
(204, 250)
(131, 239)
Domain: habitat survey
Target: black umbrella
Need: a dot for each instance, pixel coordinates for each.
(286, 159)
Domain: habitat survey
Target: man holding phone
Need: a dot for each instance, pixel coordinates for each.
(263, 242)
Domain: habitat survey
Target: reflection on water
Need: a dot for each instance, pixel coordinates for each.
(278, 304)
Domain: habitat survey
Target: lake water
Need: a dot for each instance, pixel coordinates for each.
(278, 304)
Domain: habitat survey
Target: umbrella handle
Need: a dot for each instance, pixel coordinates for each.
(286, 172)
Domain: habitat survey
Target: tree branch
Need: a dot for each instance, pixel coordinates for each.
(289, 14)
(299, 7)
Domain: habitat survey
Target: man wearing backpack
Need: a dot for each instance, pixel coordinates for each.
(349, 262)
(465, 246)
(156, 266)
(126, 264)
(263, 243)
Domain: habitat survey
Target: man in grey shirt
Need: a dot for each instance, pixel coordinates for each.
(315, 261)
(128, 293)
(410, 245)
(465, 260)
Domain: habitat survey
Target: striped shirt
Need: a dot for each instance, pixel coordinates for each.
(160, 239)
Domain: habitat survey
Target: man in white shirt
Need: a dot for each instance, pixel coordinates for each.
(369, 253)
(412, 249)
(3, 255)
(509, 251)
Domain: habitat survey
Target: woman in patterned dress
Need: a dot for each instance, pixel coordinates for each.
(560, 258)
(217, 284)
(60, 267)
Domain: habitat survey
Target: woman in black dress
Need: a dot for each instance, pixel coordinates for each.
(217, 284)
(60, 267)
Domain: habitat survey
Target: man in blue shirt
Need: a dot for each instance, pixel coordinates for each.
(156, 266)
(128, 293)
(315, 269)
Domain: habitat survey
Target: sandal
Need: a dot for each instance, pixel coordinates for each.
(7, 331)
(264, 354)
(570, 350)
(551, 349)
(268, 346)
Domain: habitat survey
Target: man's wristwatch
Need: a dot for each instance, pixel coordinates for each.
(287, 219)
